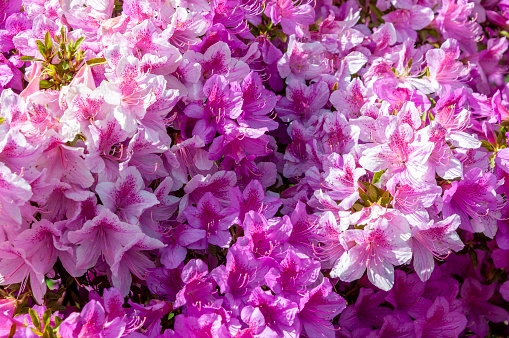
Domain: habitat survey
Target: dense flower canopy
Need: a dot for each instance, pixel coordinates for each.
(254, 168)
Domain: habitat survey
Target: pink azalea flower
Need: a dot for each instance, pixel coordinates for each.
(104, 236)
(377, 248)
(126, 196)
(215, 220)
(404, 157)
(434, 240)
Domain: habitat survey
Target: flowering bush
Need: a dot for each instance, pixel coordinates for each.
(254, 168)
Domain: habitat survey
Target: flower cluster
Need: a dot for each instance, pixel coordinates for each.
(254, 168)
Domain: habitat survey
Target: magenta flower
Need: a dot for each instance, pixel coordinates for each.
(293, 16)
(441, 321)
(444, 67)
(14, 193)
(239, 143)
(302, 61)
(280, 313)
(295, 272)
(257, 104)
(377, 248)
(266, 236)
(350, 100)
(472, 199)
(104, 236)
(211, 217)
(405, 157)
(241, 274)
(126, 196)
(223, 104)
(453, 22)
(407, 21)
(366, 312)
(475, 297)
(130, 259)
(207, 325)
(434, 240)
(407, 296)
(343, 183)
(318, 307)
(197, 290)
(301, 102)
(253, 198)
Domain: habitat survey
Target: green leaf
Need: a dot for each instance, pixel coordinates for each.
(46, 318)
(48, 42)
(423, 34)
(29, 58)
(364, 197)
(52, 295)
(41, 47)
(487, 145)
(171, 315)
(36, 332)
(372, 193)
(78, 43)
(378, 175)
(385, 199)
(357, 206)
(35, 319)
(377, 11)
(434, 33)
(279, 34)
(96, 61)
(47, 334)
(45, 84)
(63, 33)
(58, 321)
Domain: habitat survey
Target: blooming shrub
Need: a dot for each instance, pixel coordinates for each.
(254, 168)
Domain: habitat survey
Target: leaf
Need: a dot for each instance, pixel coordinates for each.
(78, 43)
(29, 58)
(385, 199)
(364, 197)
(42, 48)
(47, 334)
(377, 12)
(45, 84)
(372, 193)
(48, 42)
(96, 61)
(36, 332)
(423, 34)
(58, 321)
(378, 175)
(52, 295)
(35, 319)
(357, 206)
(46, 318)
